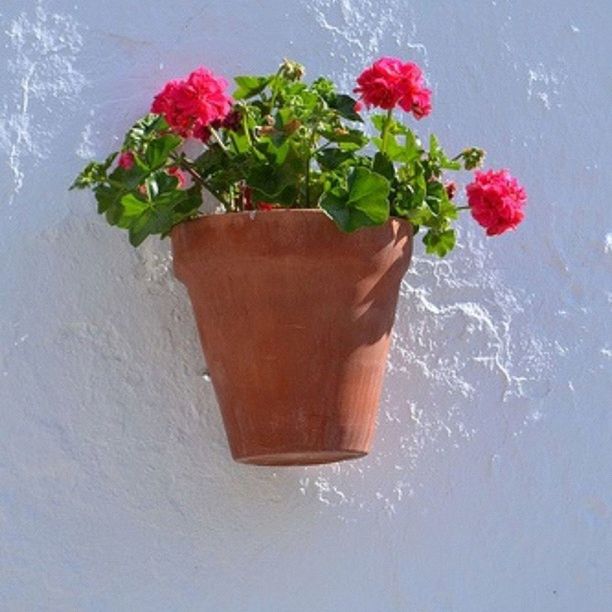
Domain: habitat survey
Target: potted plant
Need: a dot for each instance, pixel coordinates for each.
(294, 286)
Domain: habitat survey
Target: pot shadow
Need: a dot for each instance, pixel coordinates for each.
(380, 301)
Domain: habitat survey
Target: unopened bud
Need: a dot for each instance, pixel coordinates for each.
(292, 70)
(473, 158)
(292, 126)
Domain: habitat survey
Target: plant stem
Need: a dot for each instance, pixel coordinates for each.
(216, 136)
(245, 127)
(462, 208)
(273, 87)
(385, 131)
(186, 165)
(311, 152)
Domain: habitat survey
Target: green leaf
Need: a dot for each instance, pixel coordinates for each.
(420, 216)
(412, 146)
(438, 242)
(383, 165)
(108, 198)
(131, 207)
(132, 178)
(435, 194)
(286, 197)
(364, 202)
(160, 215)
(378, 121)
(404, 153)
(249, 86)
(368, 192)
(272, 179)
(93, 173)
(144, 130)
(345, 107)
(448, 210)
(330, 159)
(412, 189)
(349, 140)
(211, 161)
(437, 155)
(158, 150)
(150, 221)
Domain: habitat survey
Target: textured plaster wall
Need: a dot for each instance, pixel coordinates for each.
(489, 487)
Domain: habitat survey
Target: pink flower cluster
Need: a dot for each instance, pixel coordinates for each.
(496, 201)
(191, 105)
(389, 82)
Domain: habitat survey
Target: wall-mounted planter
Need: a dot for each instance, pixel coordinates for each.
(294, 319)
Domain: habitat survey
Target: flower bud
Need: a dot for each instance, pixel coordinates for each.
(126, 160)
(292, 126)
(291, 70)
(473, 158)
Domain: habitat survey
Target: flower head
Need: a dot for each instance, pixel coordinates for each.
(190, 105)
(126, 160)
(496, 201)
(390, 82)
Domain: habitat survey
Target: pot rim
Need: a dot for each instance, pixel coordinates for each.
(208, 217)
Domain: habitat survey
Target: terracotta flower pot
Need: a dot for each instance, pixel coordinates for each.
(294, 318)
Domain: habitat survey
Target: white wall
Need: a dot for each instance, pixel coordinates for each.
(489, 487)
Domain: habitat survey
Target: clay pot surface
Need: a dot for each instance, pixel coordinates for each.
(294, 318)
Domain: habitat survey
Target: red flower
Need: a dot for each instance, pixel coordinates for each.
(451, 189)
(496, 201)
(233, 120)
(390, 82)
(266, 206)
(244, 199)
(126, 160)
(192, 104)
(179, 174)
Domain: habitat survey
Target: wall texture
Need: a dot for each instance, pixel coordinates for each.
(490, 485)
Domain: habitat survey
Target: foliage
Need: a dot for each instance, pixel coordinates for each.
(289, 144)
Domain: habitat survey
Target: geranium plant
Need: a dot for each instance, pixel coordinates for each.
(279, 142)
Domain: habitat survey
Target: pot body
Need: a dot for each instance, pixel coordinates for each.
(294, 318)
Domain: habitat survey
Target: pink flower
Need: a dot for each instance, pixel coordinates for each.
(390, 82)
(190, 105)
(421, 103)
(496, 200)
(126, 160)
(179, 174)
